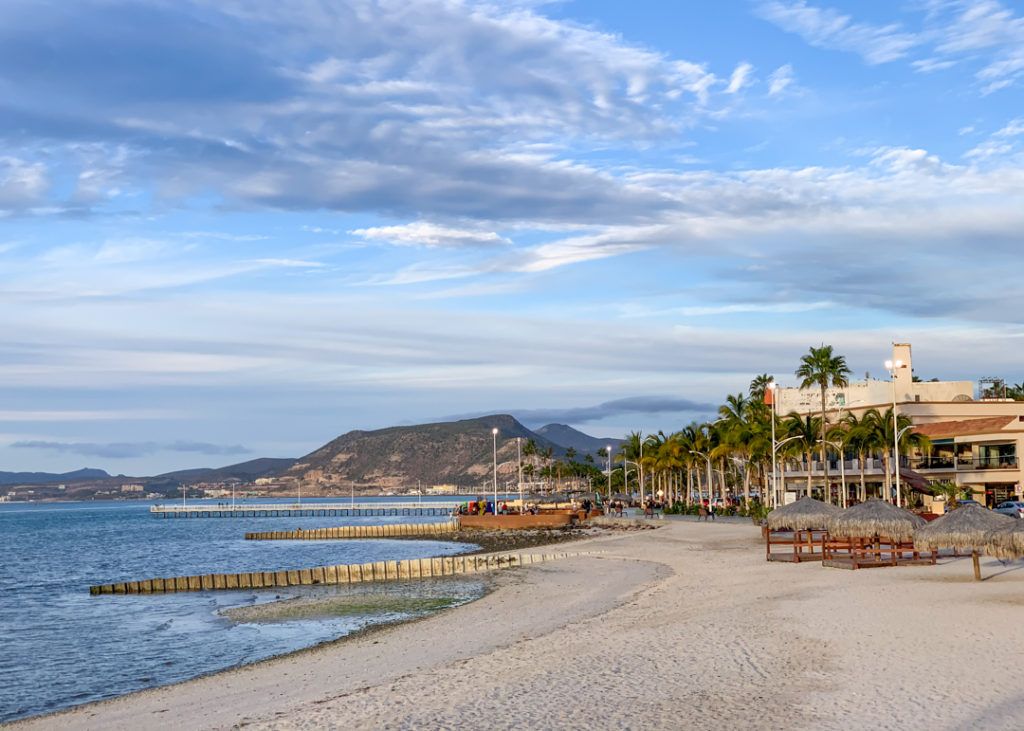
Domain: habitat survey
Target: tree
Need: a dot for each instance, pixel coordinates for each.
(570, 454)
(806, 429)
(862, 437)
(883, 438)
(758, 386)
(823, 369)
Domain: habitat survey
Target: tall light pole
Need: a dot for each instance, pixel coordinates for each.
(608, 451)
(640, 469)
(772, 389)
(494, 435)
(775, 449)
(519, 453)
(710, 484)
(891, 366)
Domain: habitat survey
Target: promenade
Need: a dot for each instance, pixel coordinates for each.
(685, 626)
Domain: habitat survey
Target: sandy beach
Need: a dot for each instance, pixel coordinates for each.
(682, 627)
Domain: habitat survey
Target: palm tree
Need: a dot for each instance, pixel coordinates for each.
(758, 385)
(806, 429)
(821, 368)
(632, 451)
(883, 437)
(861, 436)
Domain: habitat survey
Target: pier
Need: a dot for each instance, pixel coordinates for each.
(292, 510)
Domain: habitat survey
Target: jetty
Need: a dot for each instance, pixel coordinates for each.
(297, 509)
(415, 568)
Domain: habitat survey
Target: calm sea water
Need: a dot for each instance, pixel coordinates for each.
(60, 647)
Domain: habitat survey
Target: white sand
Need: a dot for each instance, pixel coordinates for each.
(683, 627)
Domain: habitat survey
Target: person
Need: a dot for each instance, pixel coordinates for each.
(711, 511)
(504, 508)
(702, 513)
(649, 510)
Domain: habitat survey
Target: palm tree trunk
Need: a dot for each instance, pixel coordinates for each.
(862, 494)
(746, 486)
(824, 462)
(810, 462)
(782, 482)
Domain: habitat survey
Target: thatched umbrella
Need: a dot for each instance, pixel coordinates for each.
(1006, 541)
(875, 517)
(805, 514)
(965, 527)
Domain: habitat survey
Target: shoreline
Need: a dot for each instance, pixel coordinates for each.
(686, 626)
(487, 541)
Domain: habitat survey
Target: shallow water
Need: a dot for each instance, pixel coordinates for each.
(61, 647)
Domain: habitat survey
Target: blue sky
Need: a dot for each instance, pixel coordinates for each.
(239, 229)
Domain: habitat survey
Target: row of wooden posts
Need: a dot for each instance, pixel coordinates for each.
(417, 568)
(357, 531)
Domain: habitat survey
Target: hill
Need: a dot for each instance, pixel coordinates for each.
(451, 452)
(245, 471)
(32, 478)
(565, 436)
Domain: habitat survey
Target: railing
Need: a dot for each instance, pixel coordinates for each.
(997, 462)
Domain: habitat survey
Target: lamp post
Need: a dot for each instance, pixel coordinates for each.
(891, 366)
(842, 465)
(494, 435)
(519, 453)
(899, 434)
(775, 449)
(608, 452)
(773, 388)
(710, 484)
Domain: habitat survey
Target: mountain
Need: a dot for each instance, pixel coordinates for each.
(566, 436)
(30, 478)
(451, 452)
(245, 471)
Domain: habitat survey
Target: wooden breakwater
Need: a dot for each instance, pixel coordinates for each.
(301, 510)
(416, 568)
(357, 531)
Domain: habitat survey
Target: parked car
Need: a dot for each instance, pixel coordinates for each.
(1011, 507)
(965, 502)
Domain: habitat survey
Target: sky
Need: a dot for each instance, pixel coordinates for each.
(232, 230)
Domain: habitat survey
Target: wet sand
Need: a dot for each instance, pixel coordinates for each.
(681, 627)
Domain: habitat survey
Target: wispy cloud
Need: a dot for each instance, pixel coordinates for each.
(829, 28)
(129, 450)
(423, 233)
(780, 79)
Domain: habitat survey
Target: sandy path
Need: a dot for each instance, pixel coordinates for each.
(683, 627)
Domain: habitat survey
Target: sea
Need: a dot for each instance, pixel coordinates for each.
(61, 647)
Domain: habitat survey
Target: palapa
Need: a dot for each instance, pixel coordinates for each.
(805, 514)
(966, 527)
(875, 517)
(1007, 541)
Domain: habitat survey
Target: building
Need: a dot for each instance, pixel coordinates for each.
(976, 442)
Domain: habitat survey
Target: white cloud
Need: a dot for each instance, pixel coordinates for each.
(780, 79)
(828, 28)
(740, 77)
(423, 233)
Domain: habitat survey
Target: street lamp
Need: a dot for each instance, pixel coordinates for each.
(891, 366)
(775, 449)
(710, 485)
(519, 453)
(773, 388)
(899, 434)
(842, 464)
(494, 435)
(608, 453)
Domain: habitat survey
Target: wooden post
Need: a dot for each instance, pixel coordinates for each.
(977, 566)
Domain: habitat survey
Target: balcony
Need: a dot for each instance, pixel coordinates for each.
(994, 462)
